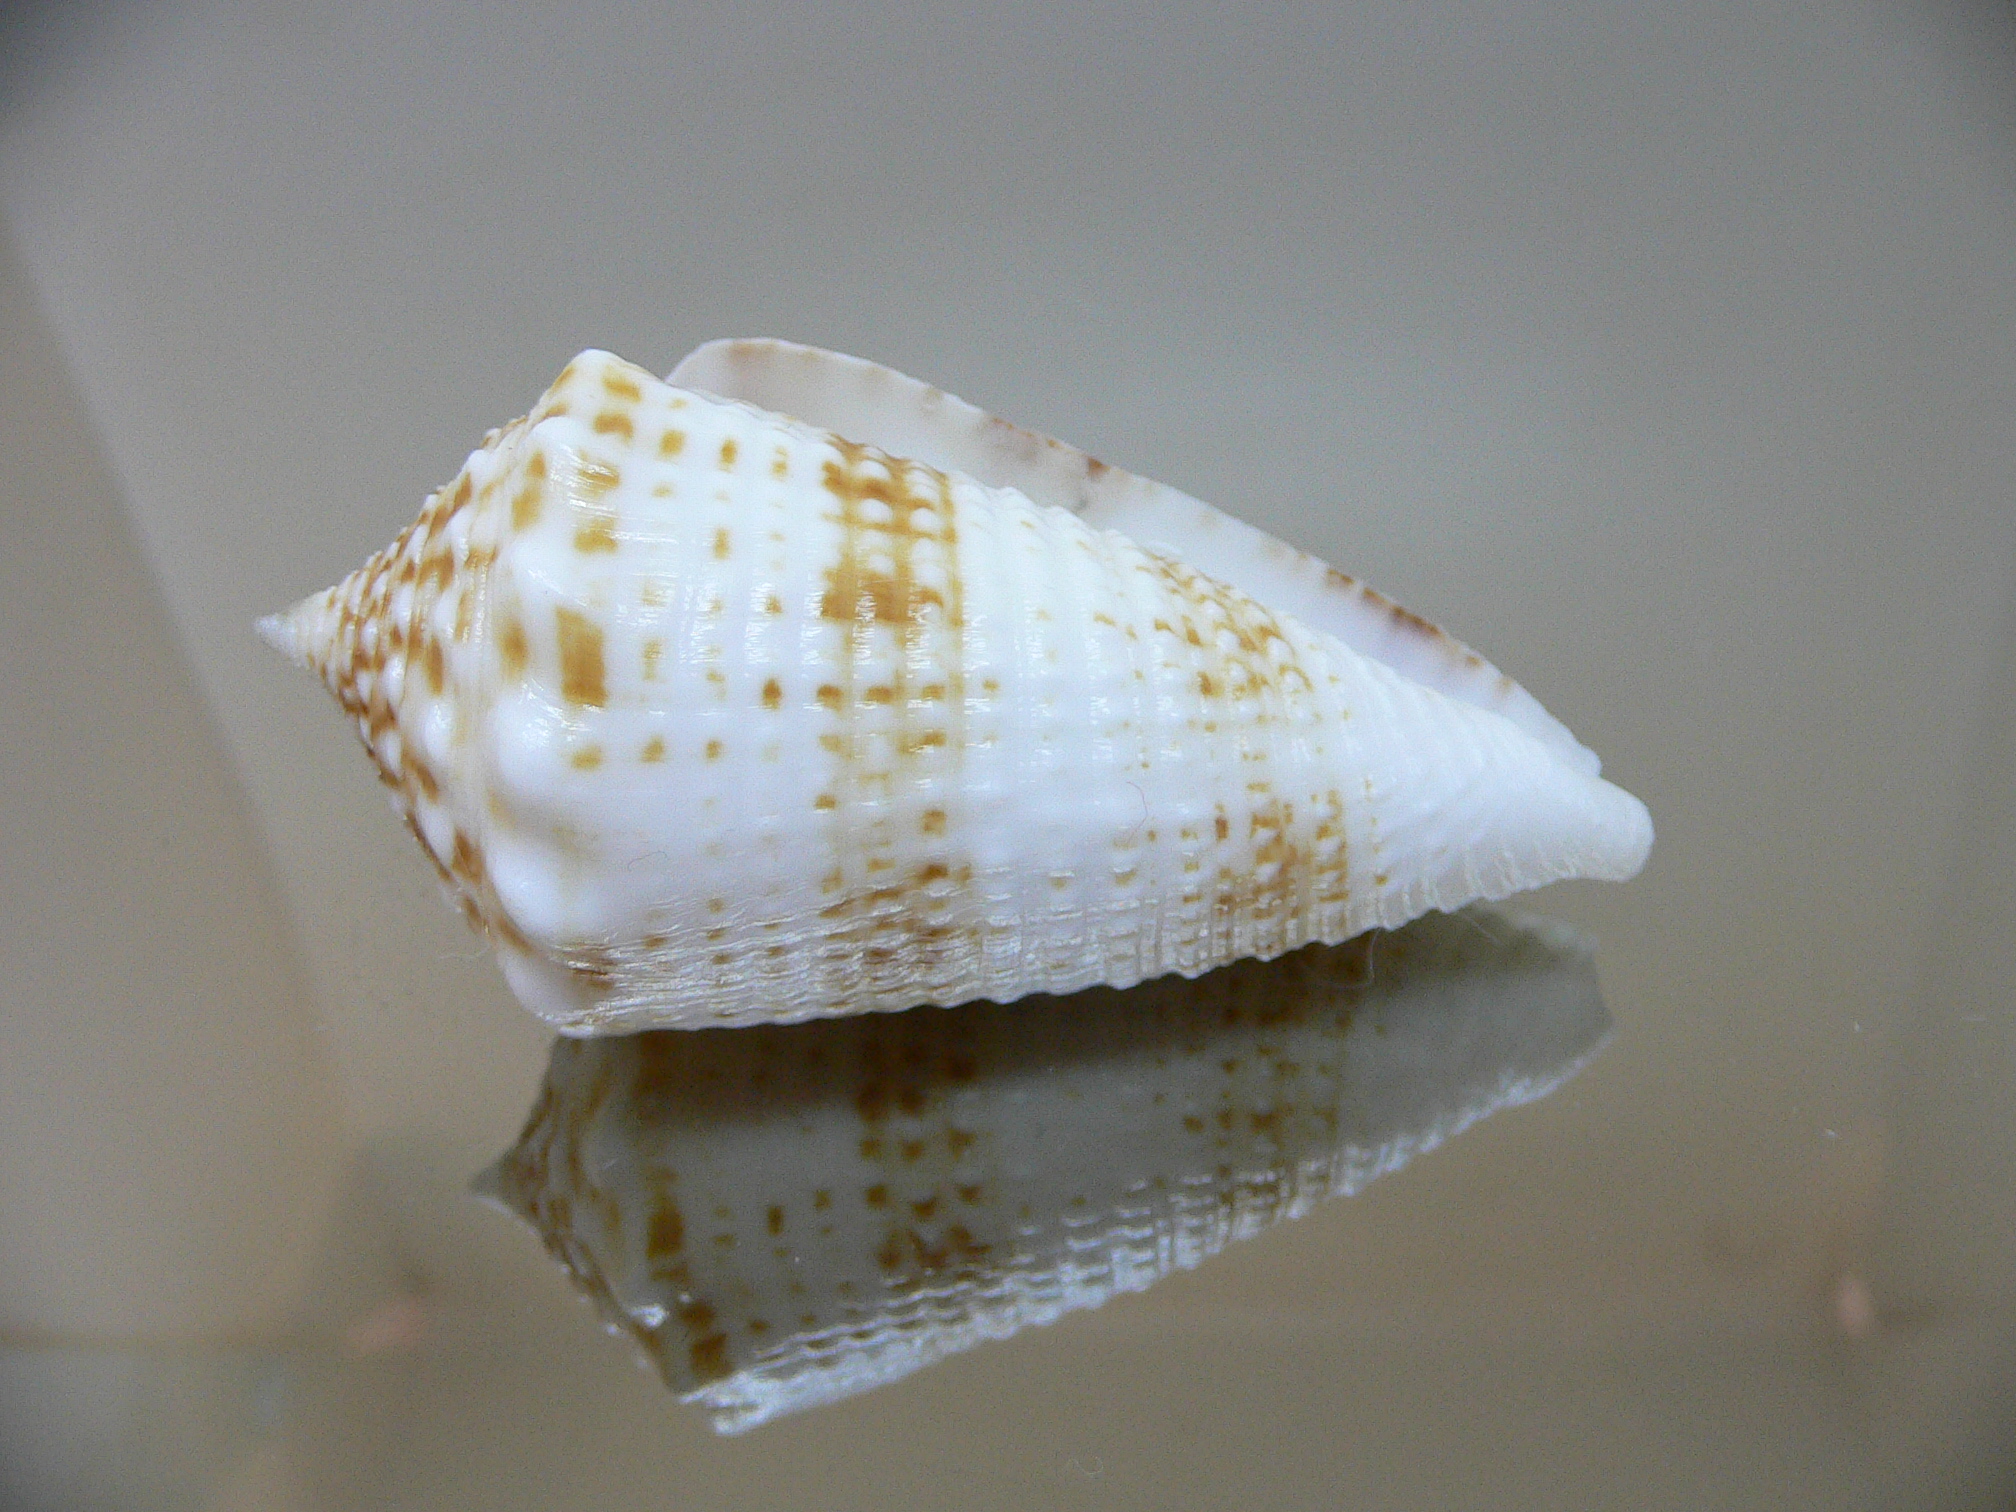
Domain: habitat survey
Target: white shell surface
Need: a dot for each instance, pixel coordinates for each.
(784, 1217)
(710, 717)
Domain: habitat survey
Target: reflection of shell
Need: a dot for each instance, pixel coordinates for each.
(784, 1216)
(709, 716)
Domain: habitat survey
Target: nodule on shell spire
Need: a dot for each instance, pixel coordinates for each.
(707, 715)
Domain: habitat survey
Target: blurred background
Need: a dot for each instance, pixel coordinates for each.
(1666, 354)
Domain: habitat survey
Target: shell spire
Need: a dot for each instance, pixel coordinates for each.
(352, 637)
(313, 634)
(707, 715)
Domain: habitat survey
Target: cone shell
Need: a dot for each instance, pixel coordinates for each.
(707, 716)
(790, 1215)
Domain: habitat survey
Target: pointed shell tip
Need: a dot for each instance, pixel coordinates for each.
(278, 631)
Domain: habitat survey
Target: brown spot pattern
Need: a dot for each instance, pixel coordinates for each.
(1274, 885)
(446, 574)
(926, 1223)
(581, 670)
(875, 580)
(512, 652)
(595, 526)
(525, 505)
(894, 585)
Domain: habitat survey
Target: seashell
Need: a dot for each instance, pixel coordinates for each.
(707, 714)
(784, 1216)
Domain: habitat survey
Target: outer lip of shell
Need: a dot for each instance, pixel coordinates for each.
(907, 417)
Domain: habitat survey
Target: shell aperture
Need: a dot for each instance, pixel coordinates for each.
(787, 1216)
(708, 716)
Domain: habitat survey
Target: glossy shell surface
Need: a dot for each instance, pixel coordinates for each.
(706, 715)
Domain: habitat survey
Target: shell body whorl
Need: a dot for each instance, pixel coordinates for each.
(707, 716)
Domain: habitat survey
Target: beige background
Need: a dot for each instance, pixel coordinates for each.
(1667, 355)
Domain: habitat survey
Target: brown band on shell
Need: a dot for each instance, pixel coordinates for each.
(895, 519)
